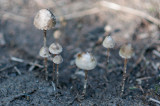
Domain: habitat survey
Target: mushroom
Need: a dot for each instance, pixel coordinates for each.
(107, 29)
(44, 20)
(57, 60)
(57, 34)
(44, 52)
(85, 61)
(126, 52)
(108, 43)
(55, 48)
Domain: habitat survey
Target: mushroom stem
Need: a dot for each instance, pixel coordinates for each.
(108, 50)
(54, 70)
(45, 68)
(85, 83)
(45, 40)
(57, 81)
(124, 76)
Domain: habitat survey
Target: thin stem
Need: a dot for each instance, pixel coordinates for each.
(85, 83)
(45, 59)
(108, 50)
(54, 71)
(124, 76)
(57, 81)
(45, 40)
(45, 68)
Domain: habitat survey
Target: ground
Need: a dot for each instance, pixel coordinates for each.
(23, 40)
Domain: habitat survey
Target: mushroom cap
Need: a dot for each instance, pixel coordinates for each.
(58, 59)
(57, 34)
(44, 20)
(86, 61)
(126, 51)
(55, 48)
(44, 52)
(108, 42)
(107, 28)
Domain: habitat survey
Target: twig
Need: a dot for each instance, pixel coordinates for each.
(26, 62)
(17, 70)
(143, 78)
(155, 52)
(53, 85)
(81, 13)
(154, 100)
(33, 66)
(8, 15)
(117, 7)
(8, 67)
(8, 100)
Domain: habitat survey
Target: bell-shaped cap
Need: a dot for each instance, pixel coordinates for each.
(57, 59)
(108, 42)
(86, 61)
(55, 48)
(44, 52)
(126, 51)
(44, 20)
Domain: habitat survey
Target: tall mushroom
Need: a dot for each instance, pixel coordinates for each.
(85, 61)
(57, 60)
(44, 20)
(54, 49)
(126, 52)
(44, 53)
(108, 43)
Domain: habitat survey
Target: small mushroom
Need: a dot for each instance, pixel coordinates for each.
(126, 52)
(44, 52)
(57, 60)
(108, 43)
(44, 20)
(55, 48)
(57, 34)
(85, 61)
(107, 29)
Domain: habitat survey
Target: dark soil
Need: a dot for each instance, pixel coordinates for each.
(24, 41)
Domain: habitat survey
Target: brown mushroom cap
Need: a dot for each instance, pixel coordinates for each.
(126, 51)
(44, 20)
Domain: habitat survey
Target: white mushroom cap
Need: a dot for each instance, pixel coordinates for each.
(44, 20)
(44, 52)
(126, 51)
(57, 34)
(108, 42)
(86, 61)
(58, 59)
(107, 28)
(55, 48)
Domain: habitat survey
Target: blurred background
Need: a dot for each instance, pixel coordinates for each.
(16, 17)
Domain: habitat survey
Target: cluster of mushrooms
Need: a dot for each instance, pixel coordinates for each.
(45, 20)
